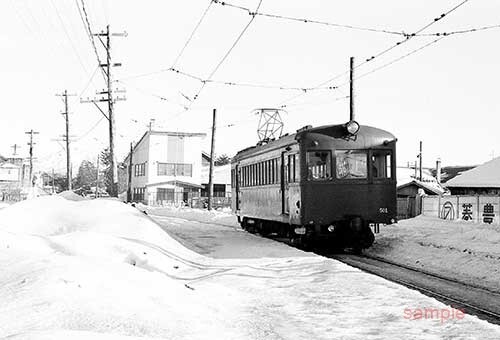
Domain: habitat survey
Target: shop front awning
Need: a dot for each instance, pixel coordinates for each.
(176, 183)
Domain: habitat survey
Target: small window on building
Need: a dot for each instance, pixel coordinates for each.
(319, 165)
(138, 194)
(175, 169)
(165, 195)
(381, 164)
(351, 164)
(140, 169)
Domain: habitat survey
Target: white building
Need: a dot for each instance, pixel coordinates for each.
(166, 167)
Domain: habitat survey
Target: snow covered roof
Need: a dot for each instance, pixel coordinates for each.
(486, 175)
(433, 188)
(406, 176)
(8, 165)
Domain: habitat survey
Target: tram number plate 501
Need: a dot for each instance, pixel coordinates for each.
(383, 210)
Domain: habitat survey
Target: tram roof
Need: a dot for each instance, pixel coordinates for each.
(367, 136)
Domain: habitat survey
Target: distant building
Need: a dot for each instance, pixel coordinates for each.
(221, 178)
(410, 189)
(166, 168)
(481, 180)
(408, 182)
(11, 180)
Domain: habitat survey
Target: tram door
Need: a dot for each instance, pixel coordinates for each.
(237, 173)
(285, 187)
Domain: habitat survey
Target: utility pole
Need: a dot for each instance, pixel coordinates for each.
(129, 186)
(30, 143)
(107, 96)
(420, 160)
(65, 95)
(211, 172)
(351, 89)
(15, 147)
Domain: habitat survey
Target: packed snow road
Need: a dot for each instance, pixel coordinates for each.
(103, 270)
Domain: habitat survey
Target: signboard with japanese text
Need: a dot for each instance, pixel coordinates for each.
(475, 209)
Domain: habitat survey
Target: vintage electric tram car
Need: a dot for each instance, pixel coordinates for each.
(327, 184)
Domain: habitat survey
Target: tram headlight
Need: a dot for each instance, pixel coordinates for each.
(352, 127)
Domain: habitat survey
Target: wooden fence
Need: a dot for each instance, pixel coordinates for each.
(477, 209)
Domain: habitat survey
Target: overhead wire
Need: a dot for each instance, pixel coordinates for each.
(89, 131)
(160, 97)
(306, 20)
(88, 29)
(398, 59)
(386, 50)
(192, 34)
(89, 81)
(69, 37)
(219, 64)
(255, 85)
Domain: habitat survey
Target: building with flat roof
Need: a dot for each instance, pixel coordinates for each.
(165, 168)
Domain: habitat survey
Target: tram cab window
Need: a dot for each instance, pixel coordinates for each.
(319, 165)
(381, 164)
(351, 164)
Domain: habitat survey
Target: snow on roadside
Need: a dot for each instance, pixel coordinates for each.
(465, 251)
(4, 205)
(222, 216)
(100, 269)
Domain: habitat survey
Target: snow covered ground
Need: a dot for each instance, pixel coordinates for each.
(100, 269)
(4, 205)
(465, 251)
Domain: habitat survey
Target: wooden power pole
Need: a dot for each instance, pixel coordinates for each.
(211, 172)
(65, 95)
(30, 143)
(107, 96)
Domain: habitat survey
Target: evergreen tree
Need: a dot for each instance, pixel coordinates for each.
(105, 159)
(222, 160)
(87, 175)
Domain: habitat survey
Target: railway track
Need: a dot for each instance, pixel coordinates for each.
(474, 300)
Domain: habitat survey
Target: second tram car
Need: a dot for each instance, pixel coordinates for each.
(326, 184)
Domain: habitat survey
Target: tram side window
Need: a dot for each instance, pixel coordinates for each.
(381, 164)
(275, 171)
(351, 164)
(297, 168)
(319, 165)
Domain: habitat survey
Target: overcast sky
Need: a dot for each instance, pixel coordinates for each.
(445, 94)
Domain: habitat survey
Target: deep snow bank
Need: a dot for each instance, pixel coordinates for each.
(465, 251)
(100, 269)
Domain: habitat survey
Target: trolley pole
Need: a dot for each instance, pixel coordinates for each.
(351, 89)
(211, 172)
